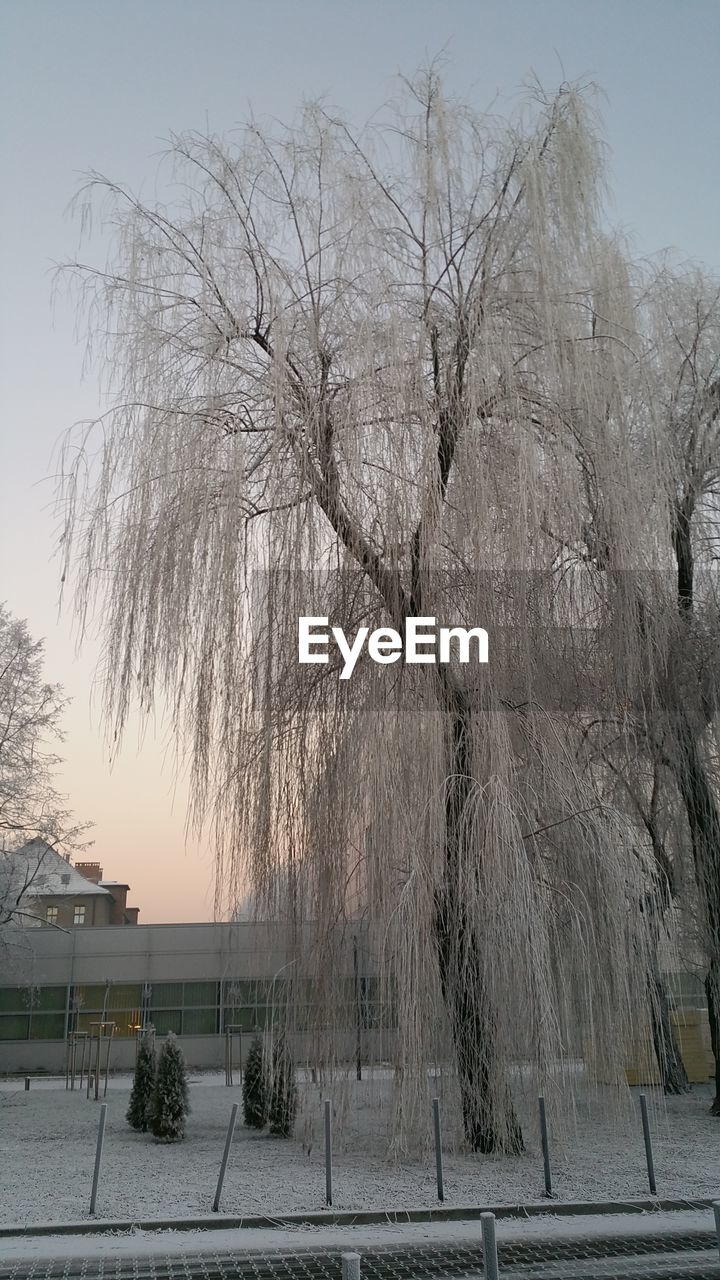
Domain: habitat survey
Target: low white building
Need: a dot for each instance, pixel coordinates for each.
(193, 979)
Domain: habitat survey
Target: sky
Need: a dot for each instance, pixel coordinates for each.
(89, 85)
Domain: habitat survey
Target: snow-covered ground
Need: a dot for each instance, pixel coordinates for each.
(47, 1138)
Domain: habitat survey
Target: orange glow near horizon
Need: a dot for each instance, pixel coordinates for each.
(139, 833)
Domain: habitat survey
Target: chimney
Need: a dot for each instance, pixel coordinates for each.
(118, 893)
(90, 870)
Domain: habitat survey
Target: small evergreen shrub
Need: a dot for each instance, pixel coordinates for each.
(283, 1098)
(138, 1113)
(255, 1087)
(170, 1104)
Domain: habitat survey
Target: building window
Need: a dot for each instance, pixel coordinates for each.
(79, 915)
(51, 915)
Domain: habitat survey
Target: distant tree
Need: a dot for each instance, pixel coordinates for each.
(663, 747)
(283, 1098)
(254, 1089)
(170, 1105)
(141, 1096)
(33, 813)
(684, 385)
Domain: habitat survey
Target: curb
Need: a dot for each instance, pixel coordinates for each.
(355, 1219)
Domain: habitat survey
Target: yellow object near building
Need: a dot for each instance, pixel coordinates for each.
(693, 1032)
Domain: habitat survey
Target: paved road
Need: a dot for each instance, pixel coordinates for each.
(676, 1256)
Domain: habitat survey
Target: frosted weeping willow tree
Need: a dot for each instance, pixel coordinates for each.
(683, 325)
(373, 377)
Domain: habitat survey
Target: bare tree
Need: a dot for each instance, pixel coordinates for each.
(645, 783)
(685, 312)
(377, 377)
(31, 808)
(665, 742)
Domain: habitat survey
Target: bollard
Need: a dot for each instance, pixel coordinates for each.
(328, 1151)
(438, 1150)
(350, 1266)
(648, 1144)
(98, 1156)
(716, 1211)
(27, 1084)
(490, 1258)
(545, 1146)
(226, 1156)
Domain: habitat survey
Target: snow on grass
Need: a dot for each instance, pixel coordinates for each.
(48, 1144)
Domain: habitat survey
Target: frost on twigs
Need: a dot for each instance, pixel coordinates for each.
(283, 1094)
(170, 1104)
(409, 372)
(255, 1086)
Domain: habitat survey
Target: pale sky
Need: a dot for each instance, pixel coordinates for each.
(88, 84)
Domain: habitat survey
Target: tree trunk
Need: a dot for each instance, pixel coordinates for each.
(712, 991)
(489, 1120)
(665, 1041)
(698, 796)
(667, 1050)
(704, 822)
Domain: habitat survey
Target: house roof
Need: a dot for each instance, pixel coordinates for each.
(45, 873)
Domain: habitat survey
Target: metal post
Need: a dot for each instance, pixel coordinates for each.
(716, 1211)
(358, 1012)
(82, 1060)
(98, 1156)
(350, 1266)
(230, 1033)
(107, 1057)
(648, 1144)
(226, 1156)
(490, 1258)
(545, 1146)
(328, 1151)
(438, 1150)
(145, 1004)
(72, 1062)
(27, 1084)
(97, 1065)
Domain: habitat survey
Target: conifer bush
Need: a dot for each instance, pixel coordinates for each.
(255, 1087)
(138, 1112)
(170, 1105)
(283, 1098)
